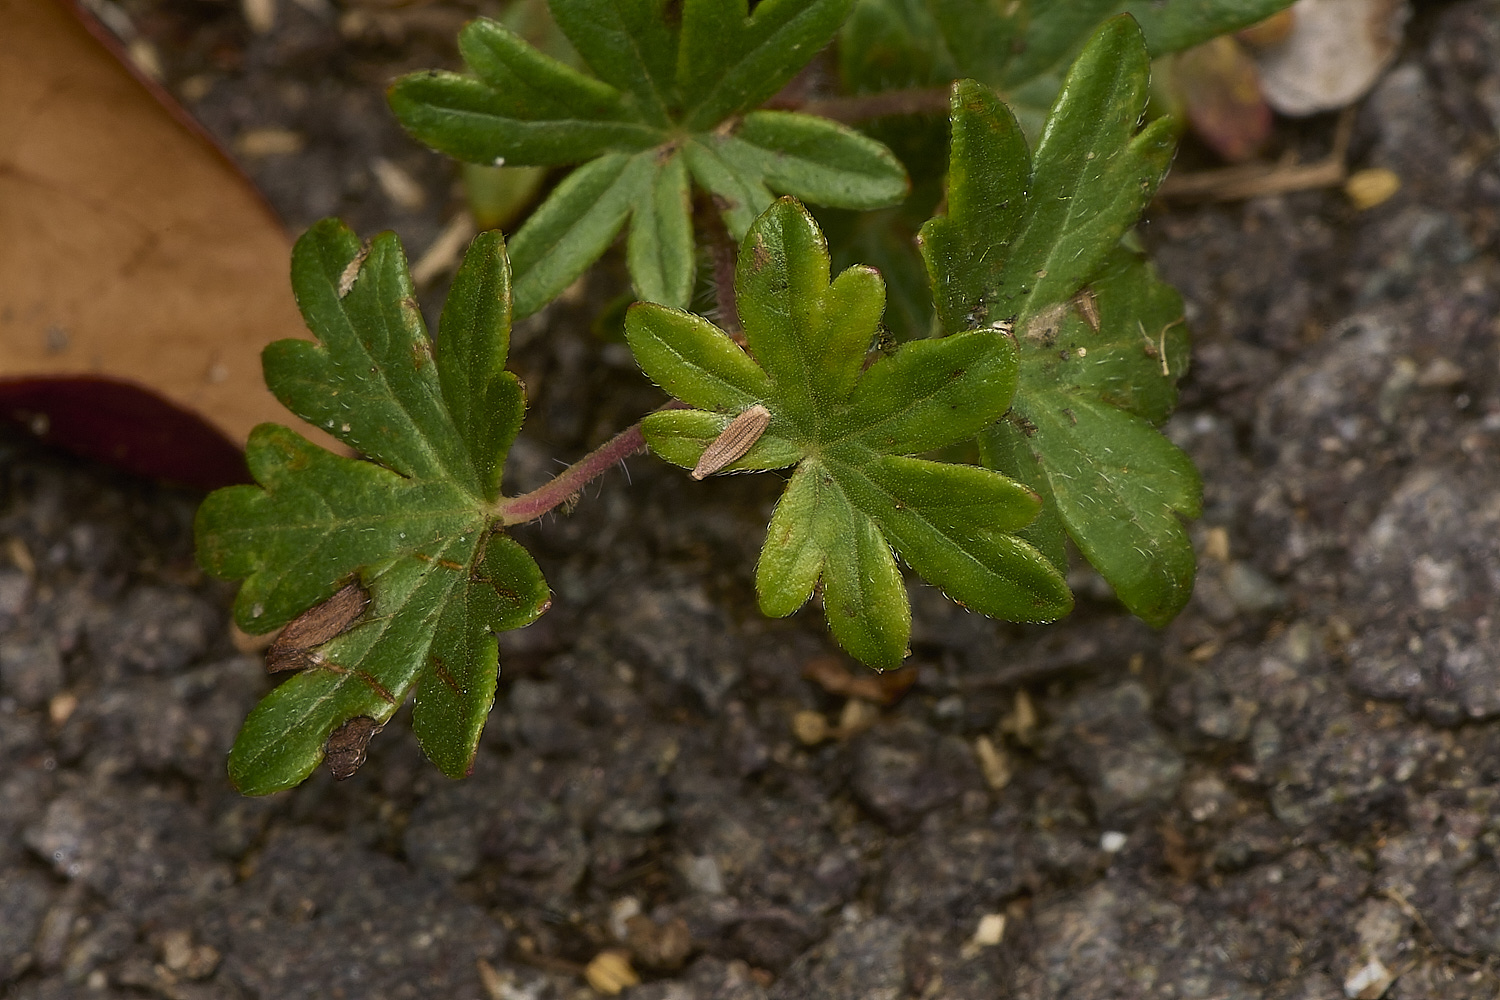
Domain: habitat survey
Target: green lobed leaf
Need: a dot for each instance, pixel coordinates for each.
(818, 160)
(735, 61)
(659, 250)
(531, 85)
(468, 120)
(737, 187)
(1059, 216)
(661, 107)
(484, 400)
(628, 43)
(413, 524)
(1083, 430)
(1021, 47)
(855, 494)
(576, 223)
(1024, 237)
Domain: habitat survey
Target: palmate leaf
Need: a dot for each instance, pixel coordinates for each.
(1019, 47)
(1032, 241)
(849, 432)
(413, 524)
(670, 100)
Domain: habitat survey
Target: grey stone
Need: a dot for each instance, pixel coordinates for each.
(24, 898)
(158, 631)
(902, 771)
(1109, 740)
(1427, 574)
(136, 849)
(319, 918)
(31, 669)
(865, 961)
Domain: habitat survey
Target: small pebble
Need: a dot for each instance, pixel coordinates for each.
(610, 973)
(810, 728)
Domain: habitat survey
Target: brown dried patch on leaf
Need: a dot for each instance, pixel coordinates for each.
(346, 748)
(293, 647)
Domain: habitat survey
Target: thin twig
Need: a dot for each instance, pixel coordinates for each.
(1253, 180)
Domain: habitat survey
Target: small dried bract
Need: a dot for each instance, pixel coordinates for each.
(1088, 308)
(345, 750)
(733, 441)
(351, 271)
(293, 647)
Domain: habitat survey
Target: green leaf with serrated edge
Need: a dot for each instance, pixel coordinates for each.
(484, 400)
(1020, 239)
(1082, 431)
(848, 428)
(466, 119)
(659, 250)
(668, 82)
(575, 225)
(729, 63)
(1058, 216)
(816, 159)
(413, 524)
(627, 43)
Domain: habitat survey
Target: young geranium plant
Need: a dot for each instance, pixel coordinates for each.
(1058, 354)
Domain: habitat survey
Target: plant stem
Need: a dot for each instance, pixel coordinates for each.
(572, 480)
(721, 245)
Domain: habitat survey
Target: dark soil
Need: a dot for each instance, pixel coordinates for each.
(1289, 793)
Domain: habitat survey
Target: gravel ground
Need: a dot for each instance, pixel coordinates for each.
(1289, 793)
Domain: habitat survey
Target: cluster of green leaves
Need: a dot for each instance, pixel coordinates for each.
(1020, 48)
(1058, 351)
(415, 524)
(1028, 256)
(672, 99)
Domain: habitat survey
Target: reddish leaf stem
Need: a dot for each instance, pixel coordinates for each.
(725, 253)
(569, 482)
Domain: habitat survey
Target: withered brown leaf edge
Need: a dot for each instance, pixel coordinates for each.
(347, 745)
